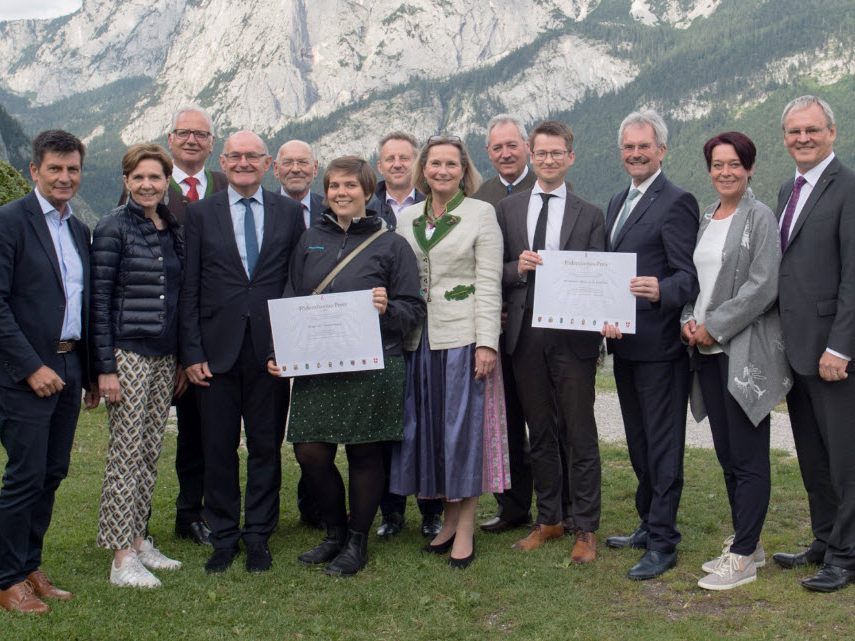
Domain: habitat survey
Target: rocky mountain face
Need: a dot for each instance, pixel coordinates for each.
(340, 73)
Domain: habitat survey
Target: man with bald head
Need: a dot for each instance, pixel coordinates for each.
(238, 247)
(295, 168)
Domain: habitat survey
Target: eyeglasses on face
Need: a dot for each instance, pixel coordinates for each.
(810, 132)
(251, 156)
(440, 139)
(290, 162)
(184, 134)
(555, 154)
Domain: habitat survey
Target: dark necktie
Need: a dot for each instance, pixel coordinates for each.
(539, 242)
(250, 236)
(510, 188)
(192, 194)
(790, 211)
(307, 216)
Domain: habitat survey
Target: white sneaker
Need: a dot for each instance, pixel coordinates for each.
(132, 574)
(731, 571)
(759, 555)
(154, 559)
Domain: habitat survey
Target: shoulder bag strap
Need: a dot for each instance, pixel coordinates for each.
(344, 262)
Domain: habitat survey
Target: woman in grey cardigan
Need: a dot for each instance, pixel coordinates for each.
(734, 334)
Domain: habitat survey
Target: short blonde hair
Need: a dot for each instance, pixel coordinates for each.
(137, 153)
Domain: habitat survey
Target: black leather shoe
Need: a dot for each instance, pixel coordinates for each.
(197, 531)
(652, 564)
(221, 560)
(638, 539)
(811, 556)
(497, 524)
(327, 549)
(462, 564)
(353, 556)
(392, 525)
(439, 548)
(830, 578)
(431, 525)
(258, 557)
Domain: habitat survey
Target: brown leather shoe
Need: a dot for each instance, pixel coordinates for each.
(20, 598)
(539, 535)
(44, 589)
(585, 547)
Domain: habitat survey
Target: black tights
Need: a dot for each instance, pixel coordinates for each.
(365, 481)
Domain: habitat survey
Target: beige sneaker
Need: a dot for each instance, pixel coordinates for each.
(132, 574)
(759, 555)
(154, 559)
(731, 571)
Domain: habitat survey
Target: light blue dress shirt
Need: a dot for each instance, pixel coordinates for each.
(70, 267)
(238, 213)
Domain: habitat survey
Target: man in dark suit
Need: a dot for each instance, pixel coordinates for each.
(507, 148)
(559, 366)
(817, 306)
(238, 247)
(396, 152)
(295, 168)
(657, 221)
(191, 142)
(44, 304)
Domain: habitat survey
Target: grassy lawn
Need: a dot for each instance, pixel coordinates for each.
(406, 595)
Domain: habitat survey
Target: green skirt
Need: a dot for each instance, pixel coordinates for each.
(351, 407)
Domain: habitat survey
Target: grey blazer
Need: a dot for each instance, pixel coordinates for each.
(742, 315)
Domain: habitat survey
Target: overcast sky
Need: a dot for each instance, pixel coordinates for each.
(16, 9)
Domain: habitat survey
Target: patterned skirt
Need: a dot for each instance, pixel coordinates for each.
(350, 407)
(455, 436)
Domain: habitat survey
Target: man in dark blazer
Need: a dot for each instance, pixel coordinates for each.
(657, 221)
(44, 304)
(396, 153)
(296, 168)
(507, 148)
(238, 248)
(817, 306)
(559, 366)
(191, 142)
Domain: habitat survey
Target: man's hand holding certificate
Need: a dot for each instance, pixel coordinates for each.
(328, 333)
(584, 290)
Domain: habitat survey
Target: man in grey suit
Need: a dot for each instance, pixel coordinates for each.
(295, 167)
(817, 304)
(507, 148)
(557, 391)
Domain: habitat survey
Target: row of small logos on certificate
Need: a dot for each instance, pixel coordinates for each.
(580, 322)
(372, 362)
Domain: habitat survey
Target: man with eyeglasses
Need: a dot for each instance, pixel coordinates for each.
(658, 222)
(507, 148)
(296, 167)
(817, 306)
(555, 369)
(190, 142)
(238, 249)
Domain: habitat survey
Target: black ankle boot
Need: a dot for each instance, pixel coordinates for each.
(328, 549)
(352, 557)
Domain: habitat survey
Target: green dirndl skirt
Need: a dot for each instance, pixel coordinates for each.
(350, 407)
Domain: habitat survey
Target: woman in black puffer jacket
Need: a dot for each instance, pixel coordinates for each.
(136, 257)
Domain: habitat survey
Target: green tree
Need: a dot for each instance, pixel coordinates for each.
(12, 183)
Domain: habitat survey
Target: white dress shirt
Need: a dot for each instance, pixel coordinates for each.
(178, 175)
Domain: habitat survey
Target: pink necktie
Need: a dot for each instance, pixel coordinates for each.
(790, 211)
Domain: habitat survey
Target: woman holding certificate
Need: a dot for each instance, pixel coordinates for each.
(454, 405)
(362, 410)
(734, 333)
(136, 258)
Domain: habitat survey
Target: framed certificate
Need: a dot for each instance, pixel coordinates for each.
(326, 333)
(583, 290)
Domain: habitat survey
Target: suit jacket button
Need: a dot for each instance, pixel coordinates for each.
(160, 258)
(162, 297)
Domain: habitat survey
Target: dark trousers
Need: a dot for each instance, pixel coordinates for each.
(515, 503)
(556, 389)
(37, 434)
(654, 397)
(742, 450)
(395, 503)
(245, 391)
(189, 459)
(822, 415)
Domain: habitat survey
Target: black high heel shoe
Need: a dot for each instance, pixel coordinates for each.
(439, 548)
(462, 564)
